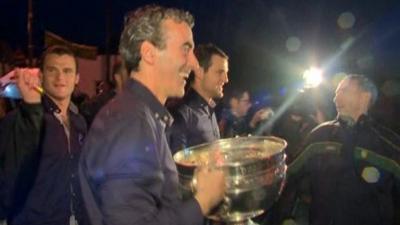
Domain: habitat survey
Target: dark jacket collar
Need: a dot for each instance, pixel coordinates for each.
(362, 121)
(51, 107)
(193, 98)
(138, 89)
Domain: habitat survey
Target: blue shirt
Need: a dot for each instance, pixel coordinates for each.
(39, 159)
(127, 172)
(194, 123)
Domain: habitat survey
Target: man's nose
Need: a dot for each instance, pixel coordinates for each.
(193, 62)
(225, 78)
(57, 74)
(335, 99)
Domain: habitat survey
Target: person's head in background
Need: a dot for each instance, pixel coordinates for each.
(157, 48)
(354, 96)
(119, 76)
(212, 74)
(240, 102)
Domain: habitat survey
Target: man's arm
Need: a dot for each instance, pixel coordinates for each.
(127, 202)
(133, 179)
(25, 127)
(20, 133)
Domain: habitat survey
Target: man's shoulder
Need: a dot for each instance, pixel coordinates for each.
(127, 104)
(388, 137)
(325, 126)
(385, 132)
(181, 111)
(122, 110)
(23, 110)
(323, 132)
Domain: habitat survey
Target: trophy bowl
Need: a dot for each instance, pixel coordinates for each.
(254, 169)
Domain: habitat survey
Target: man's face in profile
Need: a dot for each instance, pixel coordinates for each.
(177, 59)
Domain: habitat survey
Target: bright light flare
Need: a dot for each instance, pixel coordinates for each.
(312, 77)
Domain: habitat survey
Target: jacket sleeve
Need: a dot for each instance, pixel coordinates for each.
(19, 143)
(26, 130)
(392, 141)
(296, 177)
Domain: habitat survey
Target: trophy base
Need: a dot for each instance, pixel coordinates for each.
(245, 222)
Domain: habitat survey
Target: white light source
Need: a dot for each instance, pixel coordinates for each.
(312, 77)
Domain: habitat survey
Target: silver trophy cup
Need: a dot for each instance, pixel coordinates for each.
(254, 168)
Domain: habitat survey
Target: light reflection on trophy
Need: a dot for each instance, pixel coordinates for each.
(254, 168)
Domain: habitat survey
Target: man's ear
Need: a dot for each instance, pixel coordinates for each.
(148, 52)
(198, 73)
(366, 98)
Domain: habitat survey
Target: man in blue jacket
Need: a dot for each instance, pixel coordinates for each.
(127, 172)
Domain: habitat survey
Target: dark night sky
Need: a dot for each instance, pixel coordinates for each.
(253, 32)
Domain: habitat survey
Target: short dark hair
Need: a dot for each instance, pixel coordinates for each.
(238, 93)
(58, 50)
(204, 53)
(144, 24)
(366, 85)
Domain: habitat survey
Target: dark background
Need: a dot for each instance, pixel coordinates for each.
(253, 33)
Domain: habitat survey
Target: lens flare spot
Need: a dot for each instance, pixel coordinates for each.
(346, 20)
(370, 174)
(293, 44)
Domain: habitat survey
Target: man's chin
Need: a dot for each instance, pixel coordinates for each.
(58, 97)
(219, 95)
(341, 115)
(178, 94)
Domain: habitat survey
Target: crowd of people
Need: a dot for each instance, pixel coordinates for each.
(109, 160)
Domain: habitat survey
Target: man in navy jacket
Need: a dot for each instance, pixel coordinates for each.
(127, 172)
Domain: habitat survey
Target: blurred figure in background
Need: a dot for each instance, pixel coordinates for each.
(236, 121)
(296, 123)
(90, 108)
(233, 120)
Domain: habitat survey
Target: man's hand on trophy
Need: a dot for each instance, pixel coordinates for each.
(210, 187)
